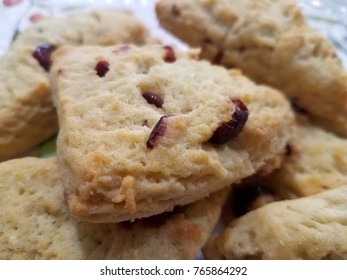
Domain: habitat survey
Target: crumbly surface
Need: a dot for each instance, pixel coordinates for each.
(317, 162)
(272, 43)
(36, 224)
(110, 174)
(312, 227)
(27, 113)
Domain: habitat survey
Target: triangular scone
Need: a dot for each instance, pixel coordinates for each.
(271, 42)
(36, 224)
(143, 129)
(27, 113)
(313, 227)
(317, 161)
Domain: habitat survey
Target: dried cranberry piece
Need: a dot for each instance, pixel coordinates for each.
(289, 150)
(157, 132)
(170, 54)
(218, 57)
(43, 55)
(36, 17)
(102, 67)
(228, 130)
(145, 123)
(241, 49)
(10, 3)
(175, 11)
(244, 196)
(207, 41)
(121, 48)
(153, 98)
(297, 108)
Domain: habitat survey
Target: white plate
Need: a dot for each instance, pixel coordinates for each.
(17, 17)
(327, 16)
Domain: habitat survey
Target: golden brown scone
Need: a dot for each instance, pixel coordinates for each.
(312, 227)
(270, 42)
(143, 129)
(317, 161)
(27, 113)
(36, 223)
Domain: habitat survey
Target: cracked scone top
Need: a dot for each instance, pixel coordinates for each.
(143, 129)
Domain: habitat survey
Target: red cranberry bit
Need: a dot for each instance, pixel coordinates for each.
(9, 3)
(170, 54)
(229, 130)
(297, 108)
(121, 48)
(145, 123)
(207, 41)
(36, 17)
(289, 150)
(157, 132)
(244, 196)
(175, 11)
(153, 98)
(241, 49)
(218, 57)
(102, 67)
(43, 55)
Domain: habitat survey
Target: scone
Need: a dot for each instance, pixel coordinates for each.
(27, 114)
(313, 227)
(247, 196)
(317, 161)
(143, 129)
(36, 224)
(271, 42)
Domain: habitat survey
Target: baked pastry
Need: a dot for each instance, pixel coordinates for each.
(27, 113)
(143, 129)
(271, 42)
(312, 227)
(247, 196)
(36, 224)
(317, 161)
